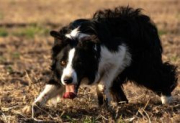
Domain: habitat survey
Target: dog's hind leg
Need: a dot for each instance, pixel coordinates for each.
(52, 89)
(117, 92)
(161, 79)
(168, 81)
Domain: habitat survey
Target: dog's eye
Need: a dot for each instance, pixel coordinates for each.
(63, 63)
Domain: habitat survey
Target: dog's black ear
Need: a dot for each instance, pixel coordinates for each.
(57, 37)
(55, 34)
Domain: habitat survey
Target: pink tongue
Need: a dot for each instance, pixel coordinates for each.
(70, 92)
(70, 88)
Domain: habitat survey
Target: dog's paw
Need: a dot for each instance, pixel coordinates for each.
(166, 100)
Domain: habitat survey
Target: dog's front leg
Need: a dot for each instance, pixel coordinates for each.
(52, 89)
(107, 79)
(100, 93)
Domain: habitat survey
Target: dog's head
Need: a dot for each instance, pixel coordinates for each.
(75, 56)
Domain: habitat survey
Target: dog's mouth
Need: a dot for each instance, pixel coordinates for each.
(70, 91)
(71, 88)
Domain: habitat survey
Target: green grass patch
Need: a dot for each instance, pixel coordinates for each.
(162, 32)
(16, 55)
(2, 59)
(3, 32)
(89, 120)
(31, 31)
(86, 119)
(174, 58)
(10, 69)
(120, 120)
(1, 16)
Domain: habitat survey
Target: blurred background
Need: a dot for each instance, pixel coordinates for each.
(25, 52)
(165, 13)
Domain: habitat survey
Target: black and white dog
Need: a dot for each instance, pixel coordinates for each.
(113, 47)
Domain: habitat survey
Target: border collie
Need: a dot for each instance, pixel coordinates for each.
(111, 48)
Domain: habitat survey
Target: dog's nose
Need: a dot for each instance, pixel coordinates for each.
(68, 80)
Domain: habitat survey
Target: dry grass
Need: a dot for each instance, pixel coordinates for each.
(25, 59)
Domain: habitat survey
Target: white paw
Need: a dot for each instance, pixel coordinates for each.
(166, 99)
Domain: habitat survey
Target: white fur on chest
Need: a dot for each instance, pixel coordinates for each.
(114, 60)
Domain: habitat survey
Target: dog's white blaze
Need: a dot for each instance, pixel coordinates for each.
(112, 64)
(166, 99)
(76, 34)
(68, 70)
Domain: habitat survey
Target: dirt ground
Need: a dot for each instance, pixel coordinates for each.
(25, 49)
